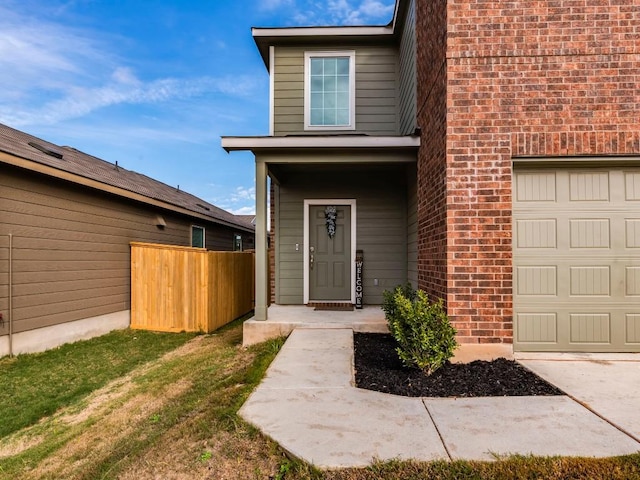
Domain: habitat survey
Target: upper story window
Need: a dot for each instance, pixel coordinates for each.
(197, 236)
(329, 91)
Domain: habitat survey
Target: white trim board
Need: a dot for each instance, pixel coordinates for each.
(305, 248)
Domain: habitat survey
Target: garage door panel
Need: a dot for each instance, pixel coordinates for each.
(589, 233)
(536, 187)
(537, 233)
(577, 259)
(590, 328)
(632, 232)
(536, 280)
(537, 327)
(590, 281)
(588, 186)
(632, 281)
(632, 186)
(632, 328)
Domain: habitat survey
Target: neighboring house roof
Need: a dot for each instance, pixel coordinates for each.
(248, 218)
(29, 152)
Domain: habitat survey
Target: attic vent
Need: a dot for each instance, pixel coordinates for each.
(51, 151)
(203, 206)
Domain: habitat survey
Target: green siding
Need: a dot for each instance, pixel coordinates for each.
(381, 206)
(408, 73)
(376, 89)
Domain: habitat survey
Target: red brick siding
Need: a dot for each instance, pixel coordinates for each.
(523, 78)
(431, 89)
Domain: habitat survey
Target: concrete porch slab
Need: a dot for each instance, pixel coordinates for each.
(283, 319)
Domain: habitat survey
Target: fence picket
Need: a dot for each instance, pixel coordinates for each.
(175, 289)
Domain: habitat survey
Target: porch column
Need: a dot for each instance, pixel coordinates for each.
(260, 311)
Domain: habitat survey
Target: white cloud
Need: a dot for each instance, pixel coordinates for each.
(42, 55)
(336, 12)
(78, 101)
(242, 194)
(56, 72)
(125, 75)
(375, 8)
(244, 211)
(275, 4)
(240, 201)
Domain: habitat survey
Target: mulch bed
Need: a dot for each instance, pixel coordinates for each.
(378, 368)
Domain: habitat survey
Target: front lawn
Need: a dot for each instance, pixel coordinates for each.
(115, 407)
(36, 385)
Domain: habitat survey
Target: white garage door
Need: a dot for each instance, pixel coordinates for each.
(576, 257)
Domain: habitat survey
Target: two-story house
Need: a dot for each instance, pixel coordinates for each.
(486, 152)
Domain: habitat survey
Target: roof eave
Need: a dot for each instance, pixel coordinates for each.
(264, 37)
(346, 142)
(27, 164)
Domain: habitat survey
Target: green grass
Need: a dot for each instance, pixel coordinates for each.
(37, 385)
(511, 468)
(178, 418)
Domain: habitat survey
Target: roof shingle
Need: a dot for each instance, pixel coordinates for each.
(17, 143)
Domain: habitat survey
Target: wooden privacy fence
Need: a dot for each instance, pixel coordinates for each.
(175, 289)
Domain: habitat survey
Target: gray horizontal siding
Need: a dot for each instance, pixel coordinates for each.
(381, 206)
(376, 89)
(408, 73)
(71, 255)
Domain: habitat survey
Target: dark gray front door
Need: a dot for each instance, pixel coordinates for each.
(329, 258)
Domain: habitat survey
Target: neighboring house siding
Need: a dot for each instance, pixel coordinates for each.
(221, 238)
(407, 94)
(376, 89)
(71, 255)
(381, 227)
(524, 79)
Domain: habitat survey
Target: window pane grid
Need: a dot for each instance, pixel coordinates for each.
(329, 90)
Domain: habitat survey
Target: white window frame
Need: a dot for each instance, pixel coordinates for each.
(307, 89)
(238, 236)
(204, 236)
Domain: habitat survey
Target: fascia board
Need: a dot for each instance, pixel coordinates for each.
(310, 141)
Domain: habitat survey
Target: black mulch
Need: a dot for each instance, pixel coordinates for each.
(379, 368)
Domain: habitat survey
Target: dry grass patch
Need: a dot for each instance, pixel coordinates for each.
(171, 418)
(176, 418)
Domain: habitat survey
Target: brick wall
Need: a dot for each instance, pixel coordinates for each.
(431, 112)
(523, 78)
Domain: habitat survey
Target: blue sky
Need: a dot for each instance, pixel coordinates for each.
(154, 84)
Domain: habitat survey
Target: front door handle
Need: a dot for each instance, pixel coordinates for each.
(311, 250)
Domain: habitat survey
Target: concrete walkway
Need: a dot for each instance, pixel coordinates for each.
(307, 403)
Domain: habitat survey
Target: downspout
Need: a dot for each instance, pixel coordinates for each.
(11, 295)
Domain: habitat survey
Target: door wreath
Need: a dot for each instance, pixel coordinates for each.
(330, 215)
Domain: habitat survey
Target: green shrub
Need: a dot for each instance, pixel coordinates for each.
(425, 337)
